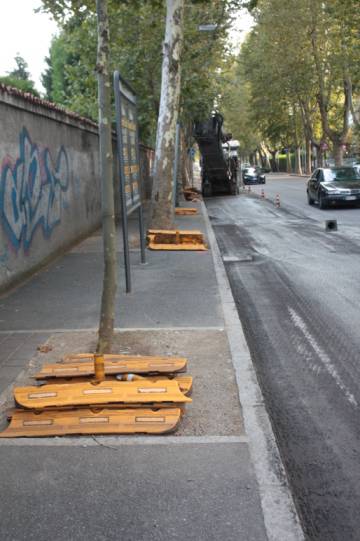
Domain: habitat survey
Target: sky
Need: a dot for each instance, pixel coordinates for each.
(29, 34)
(26, 33)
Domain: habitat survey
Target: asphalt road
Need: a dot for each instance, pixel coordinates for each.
(297, 291)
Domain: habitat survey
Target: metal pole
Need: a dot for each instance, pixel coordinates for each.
(119, 143)
(176, 163)
(142, 235)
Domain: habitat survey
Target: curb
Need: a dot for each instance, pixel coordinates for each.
(280, 516)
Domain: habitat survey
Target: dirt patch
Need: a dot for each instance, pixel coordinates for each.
(215, 409)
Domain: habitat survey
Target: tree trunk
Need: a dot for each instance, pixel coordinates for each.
(288, 162)
(261, 156)
(162, 208)
(320, 157)
(338, 153)
(308, 157)
(266, 157)
(298, 168)
(338, 137)
(107, 314)
(273, 162)
(183, 175)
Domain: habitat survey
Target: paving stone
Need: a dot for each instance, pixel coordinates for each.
(8, 375)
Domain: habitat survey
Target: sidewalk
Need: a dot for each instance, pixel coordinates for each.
(211, 480)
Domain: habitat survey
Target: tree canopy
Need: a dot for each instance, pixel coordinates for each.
(19, 77)
(137, 30)
(297, 75)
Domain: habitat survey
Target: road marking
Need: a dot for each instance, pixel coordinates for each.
(324, 358)
(119, 441)
(237, 259)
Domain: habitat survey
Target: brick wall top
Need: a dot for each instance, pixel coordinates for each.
(24, 100)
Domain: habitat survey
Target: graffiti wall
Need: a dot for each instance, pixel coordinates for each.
(49, 185)
(33, 192)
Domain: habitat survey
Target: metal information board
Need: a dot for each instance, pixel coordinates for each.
(129, 165)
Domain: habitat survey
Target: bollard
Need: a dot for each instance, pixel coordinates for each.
(277, 201)
(99, 367)
(331, 225)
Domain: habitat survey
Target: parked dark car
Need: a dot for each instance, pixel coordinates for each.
(253, 175)
(333, 185)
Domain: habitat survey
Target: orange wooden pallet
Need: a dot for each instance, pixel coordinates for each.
(83, 365)
(104, 392)
(185, 211)
(184, 382)
(94, 396)
(162, 239)
(86, 421)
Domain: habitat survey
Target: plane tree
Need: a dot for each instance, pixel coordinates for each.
(309, 50)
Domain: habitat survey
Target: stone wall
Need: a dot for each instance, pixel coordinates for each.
(50, 193)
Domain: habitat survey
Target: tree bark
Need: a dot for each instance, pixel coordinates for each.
(273, 161)
(266, 157)
(298, 167)
(319, 156)
(288, 162)
(308, 156)
(338, 153)
(107, 314)
(162, 208)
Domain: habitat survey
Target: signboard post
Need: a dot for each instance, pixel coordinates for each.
(129, 165)
(176, 166)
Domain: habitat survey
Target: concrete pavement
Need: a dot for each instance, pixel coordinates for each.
(219, 477)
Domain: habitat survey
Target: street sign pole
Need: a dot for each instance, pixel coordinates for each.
(176, 165)
(128, 155)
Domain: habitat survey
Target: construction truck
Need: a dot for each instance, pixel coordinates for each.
(219, 159)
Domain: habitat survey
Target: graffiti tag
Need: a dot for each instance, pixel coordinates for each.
(32, 192)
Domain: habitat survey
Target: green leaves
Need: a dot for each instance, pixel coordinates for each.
(296, 70)
(136, 34)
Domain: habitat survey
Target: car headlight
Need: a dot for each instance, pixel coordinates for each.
(331, 191)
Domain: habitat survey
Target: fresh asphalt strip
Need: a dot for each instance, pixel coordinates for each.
(280, 516)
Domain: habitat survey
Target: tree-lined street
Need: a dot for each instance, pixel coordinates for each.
(292, 193)
(148, 106)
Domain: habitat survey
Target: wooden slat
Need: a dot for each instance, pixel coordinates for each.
(84, 366)
(185, 211)
(184, 382)
(82, 394)
(177, 247)
(85, 421)
(159, 239)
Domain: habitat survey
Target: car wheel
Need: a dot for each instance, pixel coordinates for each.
(322, 203)
(310, 199)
